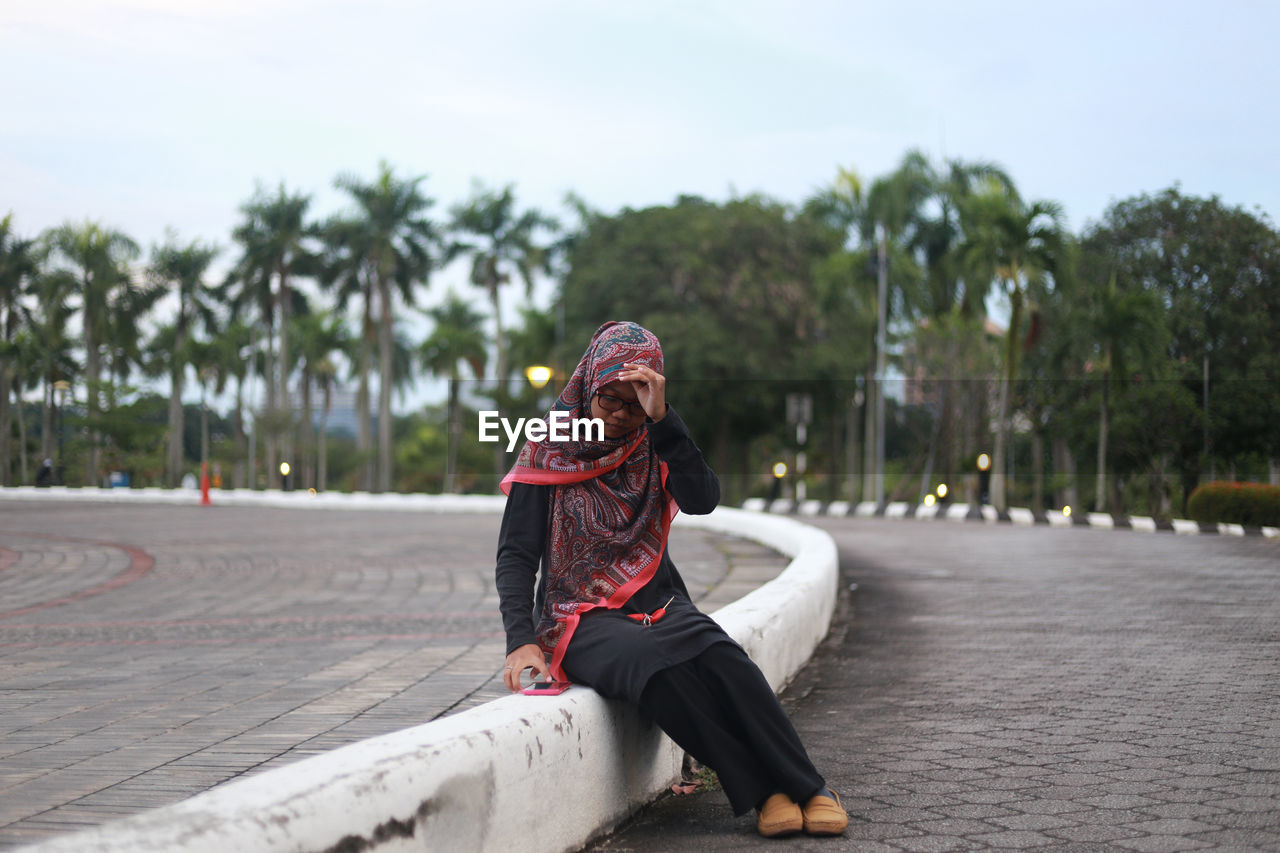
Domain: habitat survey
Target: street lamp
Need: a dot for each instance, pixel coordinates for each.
(984, 478)
(62, 386)
(538, 375)
(779, 473)
(284, 476)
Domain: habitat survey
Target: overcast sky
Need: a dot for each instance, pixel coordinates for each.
(144, 114)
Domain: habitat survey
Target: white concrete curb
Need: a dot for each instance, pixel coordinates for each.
(523, 773)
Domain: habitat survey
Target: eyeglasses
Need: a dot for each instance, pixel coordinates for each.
(610, 403)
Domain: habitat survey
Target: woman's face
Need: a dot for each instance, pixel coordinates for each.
(626, 418)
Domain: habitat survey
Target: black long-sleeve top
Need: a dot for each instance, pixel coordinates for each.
(609, 651)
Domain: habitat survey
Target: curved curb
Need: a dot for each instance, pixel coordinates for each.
(1015, 515)
(529, 773)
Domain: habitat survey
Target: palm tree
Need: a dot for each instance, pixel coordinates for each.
(51, 347)
(388, 243)
(953, 296)
(123, 350)
(499, 241)
(232, 343)
(276, 241)
(247, 294)
(211, 372)
(182, 270)
(326, 373)
(939, 235)
(345, 269)
(458, 338)
(17, 266)
(24, 354)
(843, 207)
(319, 336)
(1019, 245)
(99, 258)
(889, 208)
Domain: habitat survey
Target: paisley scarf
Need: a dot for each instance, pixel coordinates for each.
(610, 513)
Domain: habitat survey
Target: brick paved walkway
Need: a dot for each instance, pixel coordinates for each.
(996, 687)
(148, 653)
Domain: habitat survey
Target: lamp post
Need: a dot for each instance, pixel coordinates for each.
(538, 375)
(779, 474)
(247, 355)
(800, 413)
(1208, 458)
(62, 386)
(984, 478)
(882, 300)
(284, 476)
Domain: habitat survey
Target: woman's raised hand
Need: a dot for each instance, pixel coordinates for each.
(651, 388)
(527, 656)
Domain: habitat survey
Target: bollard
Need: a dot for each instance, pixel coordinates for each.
(204, 484)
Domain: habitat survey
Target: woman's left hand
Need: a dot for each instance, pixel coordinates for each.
(651, 388)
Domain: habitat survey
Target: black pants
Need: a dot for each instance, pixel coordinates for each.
(720, 709)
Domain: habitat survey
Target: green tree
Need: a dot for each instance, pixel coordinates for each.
(500, 242)
(232, 342)
(24, 354)
(1019, 246)
(211, 372)
(1214, 269)
(729, 289)
(457, 338)
(953, 299)
(919, 207)
(134, 429)
(1127, 330)
(387, 247)
(182, 270)
(17, 267)
(939, 233)
(276, 242)
(321, 337)
(52, 350)
(99, 258)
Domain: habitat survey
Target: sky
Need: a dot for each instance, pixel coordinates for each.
(153, 114)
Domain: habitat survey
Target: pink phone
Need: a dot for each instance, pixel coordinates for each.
(546, 688)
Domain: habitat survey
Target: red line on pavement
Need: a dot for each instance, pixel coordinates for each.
(228, 641)
(140, 563)
(264, 620)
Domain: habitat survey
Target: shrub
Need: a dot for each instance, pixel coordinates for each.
(1250, 504)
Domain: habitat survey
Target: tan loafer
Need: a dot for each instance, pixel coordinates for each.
(779, 816)
(824, 815)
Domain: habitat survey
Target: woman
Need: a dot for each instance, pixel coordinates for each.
(610, 609)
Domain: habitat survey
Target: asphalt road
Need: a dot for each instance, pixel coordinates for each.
(992, 687)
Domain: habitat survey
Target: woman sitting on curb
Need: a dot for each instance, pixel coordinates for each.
(610, 610)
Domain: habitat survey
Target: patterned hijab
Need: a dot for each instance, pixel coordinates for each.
(610, 514)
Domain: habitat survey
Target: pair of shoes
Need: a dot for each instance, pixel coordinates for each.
(779, 816)
(824, 814)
